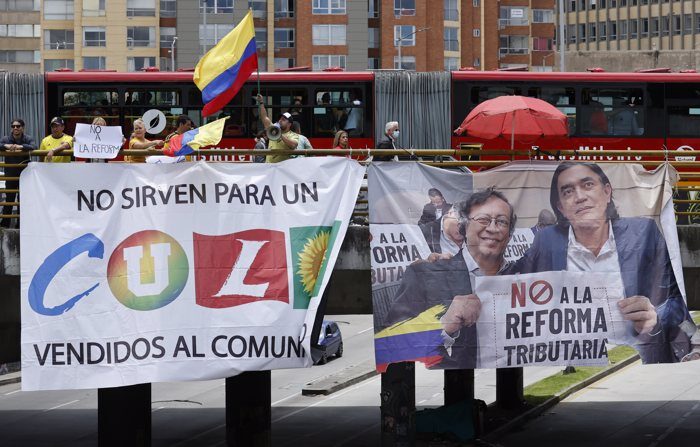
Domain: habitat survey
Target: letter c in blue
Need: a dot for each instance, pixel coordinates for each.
(53, 264)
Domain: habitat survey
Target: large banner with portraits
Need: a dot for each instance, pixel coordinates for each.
(191, 271)
(529, 264)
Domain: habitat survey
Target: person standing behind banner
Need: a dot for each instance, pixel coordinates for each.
(183, 124)
(99, 121)
(304, 142)
(260, 144)
(16, 142)
(288, 139)
(139, 141)
(388, 141)
(341, 141)
(57, 142)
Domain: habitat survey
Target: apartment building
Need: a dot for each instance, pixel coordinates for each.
(422, 35)
(19, 36)
(367, 34)
(121, 35)
(620, 35)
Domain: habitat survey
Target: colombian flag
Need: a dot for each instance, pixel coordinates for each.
(188, 142)
(417, 339)
(224, 69)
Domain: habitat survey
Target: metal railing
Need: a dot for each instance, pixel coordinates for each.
(471, 156)
(507, 51)
(503, 23)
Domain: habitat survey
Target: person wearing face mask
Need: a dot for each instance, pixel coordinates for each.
(288, 139)
(389, 140)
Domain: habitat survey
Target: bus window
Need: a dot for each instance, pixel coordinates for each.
(332, 109)
(481, 94)
(683, 104)
(235, 124)
(348, 113)
(83, 106)
(89, 98)
(563, 98)
(612, 111)
(159, 98)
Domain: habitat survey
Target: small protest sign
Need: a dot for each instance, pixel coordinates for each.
(94, 141)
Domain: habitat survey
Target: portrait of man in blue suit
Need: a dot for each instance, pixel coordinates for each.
(591, 236)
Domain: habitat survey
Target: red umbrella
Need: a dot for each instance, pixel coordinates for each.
(514, 117)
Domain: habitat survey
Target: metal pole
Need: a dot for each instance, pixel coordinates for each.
(400, 60)
(172, 54)
(204, 22)
(400, 42)
(562, 39)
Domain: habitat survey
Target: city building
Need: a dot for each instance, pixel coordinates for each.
(19, 36)
(357, 35)
(623, 35)
(120, 35)
(422, 35)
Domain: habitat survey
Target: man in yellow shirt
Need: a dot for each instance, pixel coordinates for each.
(57, 142)
(288, 139)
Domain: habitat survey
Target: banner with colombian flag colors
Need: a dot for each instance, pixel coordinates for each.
(168, 272)
(528, 264)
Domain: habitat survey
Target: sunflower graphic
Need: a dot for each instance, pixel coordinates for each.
(311, 249)
(311, 258)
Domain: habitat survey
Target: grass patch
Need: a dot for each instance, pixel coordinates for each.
(547, 388)
(696, 317)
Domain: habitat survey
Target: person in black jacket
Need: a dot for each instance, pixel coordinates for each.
(388, 141)
(20, 143)
(436, 208)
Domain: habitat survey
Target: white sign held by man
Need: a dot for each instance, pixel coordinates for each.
(549, 318)
(94, 141)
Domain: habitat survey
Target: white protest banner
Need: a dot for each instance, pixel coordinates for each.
(94, 141)
(552, 318)
(188, 271)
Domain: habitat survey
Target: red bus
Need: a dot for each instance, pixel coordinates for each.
(321, 102)
(613, 111)
(621, 111)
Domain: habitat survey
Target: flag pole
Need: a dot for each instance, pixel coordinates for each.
(257, 68)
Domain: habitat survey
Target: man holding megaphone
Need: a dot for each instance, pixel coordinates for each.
(287, 140)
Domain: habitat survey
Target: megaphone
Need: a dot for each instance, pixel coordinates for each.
(274, 132)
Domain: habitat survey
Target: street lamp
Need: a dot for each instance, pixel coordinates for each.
(402, 38)
(172, 53)
(544, 58)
